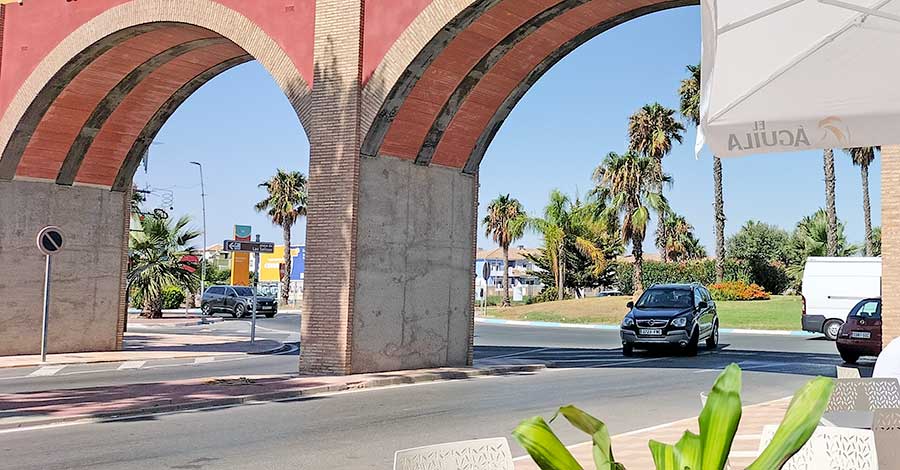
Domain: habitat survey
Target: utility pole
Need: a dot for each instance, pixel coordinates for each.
(203, 252)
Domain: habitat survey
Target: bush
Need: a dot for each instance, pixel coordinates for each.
(773, 277)
(173, 297)
(549, 294)
(657, 272)
(737, 291)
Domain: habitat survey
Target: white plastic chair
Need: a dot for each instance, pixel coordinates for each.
(864, 395)
(831, 448)
(483, 454)
(886, 426)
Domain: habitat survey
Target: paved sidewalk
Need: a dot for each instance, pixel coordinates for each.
(171, 320)
(146, 346)
(19, 410)
(631, 449)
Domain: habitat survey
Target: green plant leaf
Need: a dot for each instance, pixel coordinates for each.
(798, 425)
(720, 418)
(691, 450)
(536, 437)
(603, 454)
(665, 456)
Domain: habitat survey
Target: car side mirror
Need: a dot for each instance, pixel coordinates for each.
(702, 305)
(630, 305)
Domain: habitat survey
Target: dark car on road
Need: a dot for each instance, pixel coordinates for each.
(236, 300)
(860, 335)
(676, 315)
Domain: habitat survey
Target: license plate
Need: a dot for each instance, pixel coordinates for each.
(651, 332)
(861, 334)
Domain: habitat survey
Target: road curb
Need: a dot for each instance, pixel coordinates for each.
(197, 322)
(497, 321)
(375, 382)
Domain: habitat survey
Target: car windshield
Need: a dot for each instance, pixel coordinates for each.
(244, 291)
(666, 297)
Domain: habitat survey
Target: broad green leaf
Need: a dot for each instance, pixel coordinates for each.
(665, 456)
(719, 419)
(536, 437)
(691, 451)
(798, 425)
(603, 455)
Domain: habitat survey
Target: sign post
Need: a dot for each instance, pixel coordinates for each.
(485, 273)
(50, 241)
(256, 248)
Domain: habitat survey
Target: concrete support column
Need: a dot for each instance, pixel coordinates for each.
(88, 275)
(333, 186)
(414, 291)
(890, 242)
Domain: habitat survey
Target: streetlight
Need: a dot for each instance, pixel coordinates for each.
(203, 255)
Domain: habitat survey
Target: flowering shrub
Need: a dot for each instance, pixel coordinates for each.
(737, 290)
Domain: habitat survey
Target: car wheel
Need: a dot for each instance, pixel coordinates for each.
(713, 341)
(691, 348)
(849, 357)
(239, 311)
(832, 328)
(206, 309)
(628, 350)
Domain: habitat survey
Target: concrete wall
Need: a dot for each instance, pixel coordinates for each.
(415, 257)
(890, 242)
(87, 275)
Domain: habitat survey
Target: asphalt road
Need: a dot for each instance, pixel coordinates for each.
(361, 430)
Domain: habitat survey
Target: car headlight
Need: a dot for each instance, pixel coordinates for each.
(680, 322)
(628, 321)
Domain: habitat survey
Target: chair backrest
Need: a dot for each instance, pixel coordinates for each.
(886, 426)
(864, 394)
(831, 448)
(847, 372)
(483, 454)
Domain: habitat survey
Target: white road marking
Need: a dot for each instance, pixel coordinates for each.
(46, 371)
(204, 360)
(520, 353)
(132, 365)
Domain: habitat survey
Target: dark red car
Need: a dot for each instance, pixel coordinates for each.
(861, 333)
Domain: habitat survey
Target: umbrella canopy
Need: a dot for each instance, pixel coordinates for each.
(791, 75)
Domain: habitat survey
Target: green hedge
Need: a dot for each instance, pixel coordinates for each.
(173, 297)
(657, 272)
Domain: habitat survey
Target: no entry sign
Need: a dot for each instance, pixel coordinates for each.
(50, 240)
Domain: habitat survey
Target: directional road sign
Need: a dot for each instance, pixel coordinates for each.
(249, 247)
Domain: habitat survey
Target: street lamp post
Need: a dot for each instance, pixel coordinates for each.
(203, 253)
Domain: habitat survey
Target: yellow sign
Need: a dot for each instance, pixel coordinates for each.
(270, 264)
(240, 262)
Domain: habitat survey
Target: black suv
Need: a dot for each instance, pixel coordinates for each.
(679, 315)
(236, 300)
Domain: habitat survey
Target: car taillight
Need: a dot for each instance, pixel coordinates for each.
(803, 297)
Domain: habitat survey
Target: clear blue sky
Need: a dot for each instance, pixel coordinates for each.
(241, 127)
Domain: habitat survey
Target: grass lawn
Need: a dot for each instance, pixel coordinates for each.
(779, 313)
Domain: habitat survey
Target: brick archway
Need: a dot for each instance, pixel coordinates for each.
(87, 112)
(448, 104)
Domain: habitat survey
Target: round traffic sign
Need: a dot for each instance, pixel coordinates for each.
(50, 240)
(486, 271)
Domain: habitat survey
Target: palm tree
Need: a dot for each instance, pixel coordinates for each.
(651, 131)
(571, 224)
(285, 204)
(505, 222)
(830, 208)
(694, 250)
(863, 157)
(676, 236)
(161, 256)
(633, 185)
(689, 93)
(811, 237)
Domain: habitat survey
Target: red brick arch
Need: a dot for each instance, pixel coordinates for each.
(90, 108)
(449, 103)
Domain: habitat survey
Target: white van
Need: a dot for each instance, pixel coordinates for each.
(832, 286)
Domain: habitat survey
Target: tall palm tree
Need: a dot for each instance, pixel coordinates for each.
(811, 237)
(161, 256)
(863, 157)
(633, 184)
(651, 131)
(830, 208)
(285, 205)
(689, 94)
(505, 222)
(677, 237)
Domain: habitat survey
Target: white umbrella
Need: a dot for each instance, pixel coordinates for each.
(790, 75)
